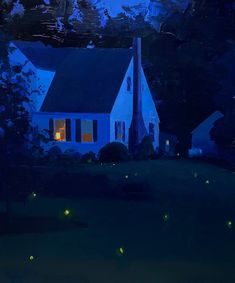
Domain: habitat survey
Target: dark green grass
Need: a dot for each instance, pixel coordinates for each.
(180, 235)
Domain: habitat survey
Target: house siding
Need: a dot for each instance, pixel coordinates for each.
(123, 108)
(41, 119)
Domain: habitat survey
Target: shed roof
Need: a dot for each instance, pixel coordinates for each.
(209, 121)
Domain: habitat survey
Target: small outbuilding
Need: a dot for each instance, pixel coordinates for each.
(202, 145)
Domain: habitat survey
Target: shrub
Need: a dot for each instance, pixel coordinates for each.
(113, 152)
(88, 157)
(145, 149)
(69, 157)
(54, 153)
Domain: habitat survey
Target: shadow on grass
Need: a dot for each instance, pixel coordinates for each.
(27, 225)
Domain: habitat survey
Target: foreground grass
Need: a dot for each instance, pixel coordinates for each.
(181, 235)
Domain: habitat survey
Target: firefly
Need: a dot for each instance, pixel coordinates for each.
(166, 217)
(121, 250)
(229, 224)
(66, 212)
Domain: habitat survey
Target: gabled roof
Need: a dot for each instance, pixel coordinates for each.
(86, 80)
(209, 121)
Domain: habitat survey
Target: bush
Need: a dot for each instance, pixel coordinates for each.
(113, 152)
(54, 153)
(70, 157)
(145, 149)
(88, 157)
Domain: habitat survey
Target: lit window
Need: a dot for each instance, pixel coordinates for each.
(87, 130)
(129, 84)
(60, 130)
(120, 131)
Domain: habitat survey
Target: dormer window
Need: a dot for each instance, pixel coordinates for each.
(128, 83)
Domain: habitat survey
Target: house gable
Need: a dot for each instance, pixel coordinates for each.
(123, 107)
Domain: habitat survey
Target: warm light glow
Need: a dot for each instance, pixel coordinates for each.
(87, 137)
(59, 130)
(31, 258)
(57, 136)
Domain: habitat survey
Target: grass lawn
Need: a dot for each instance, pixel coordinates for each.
(185, 233)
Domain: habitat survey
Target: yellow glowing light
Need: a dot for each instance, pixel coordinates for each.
(31, 258)
(66, 212)
(229, 224)
(57, 136)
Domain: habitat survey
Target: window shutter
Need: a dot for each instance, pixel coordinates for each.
(95, 130)
(51, 129)
(78, 130)
(68, 129)
(116, 130)
(123, 131)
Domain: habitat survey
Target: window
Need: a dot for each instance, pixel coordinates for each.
(151, 131)
(60, 129)
(128, 83)
(86, 131)
(120, 131)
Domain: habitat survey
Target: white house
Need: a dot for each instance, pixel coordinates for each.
(202, 145)
(90, 97)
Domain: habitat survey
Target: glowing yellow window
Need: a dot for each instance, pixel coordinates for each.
(87, 130)
(60, 130)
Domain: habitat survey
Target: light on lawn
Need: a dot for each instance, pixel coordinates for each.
(121, 251)
(31, 258)
(66, 212)
(166, 217)
(229, 224)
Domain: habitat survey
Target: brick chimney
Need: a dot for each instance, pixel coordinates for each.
(137, 129)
